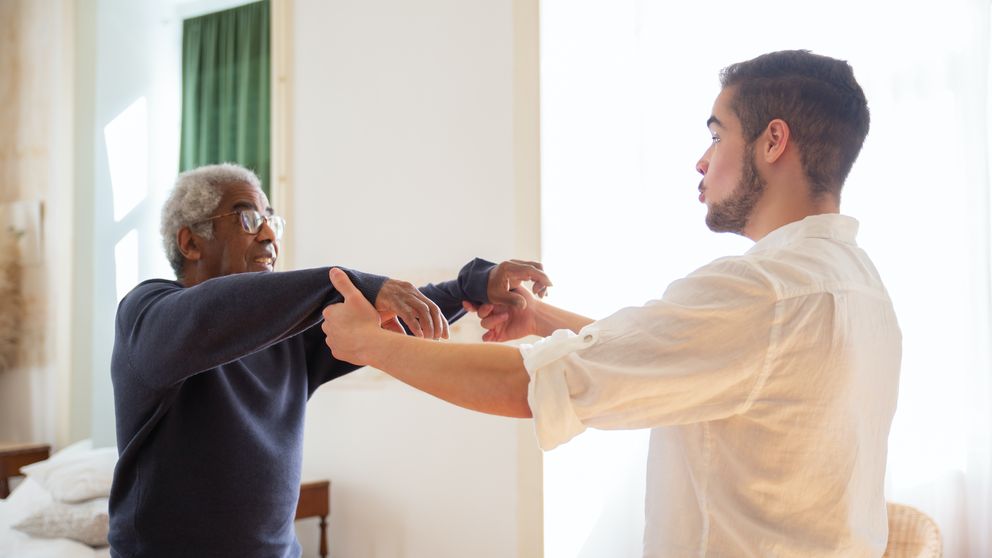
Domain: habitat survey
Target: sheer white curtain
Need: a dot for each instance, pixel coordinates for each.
(626, 88)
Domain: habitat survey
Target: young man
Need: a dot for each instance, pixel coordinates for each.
(212, 372)
(769, 379)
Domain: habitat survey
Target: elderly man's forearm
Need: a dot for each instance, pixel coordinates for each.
(486, 378)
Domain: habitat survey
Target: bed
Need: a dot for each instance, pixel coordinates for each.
(15, 544)
(60, 508)
(62, 502)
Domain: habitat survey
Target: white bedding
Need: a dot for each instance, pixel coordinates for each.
(46, 488)
(15, 544)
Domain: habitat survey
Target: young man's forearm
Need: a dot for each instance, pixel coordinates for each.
(485, 378)
(481, 377)
(550, 318)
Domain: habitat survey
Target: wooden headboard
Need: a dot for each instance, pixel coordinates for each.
(15, 456)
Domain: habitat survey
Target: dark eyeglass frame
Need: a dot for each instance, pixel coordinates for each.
(251, 221)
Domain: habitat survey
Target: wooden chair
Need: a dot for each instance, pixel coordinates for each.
(315, 501)
(912, 534)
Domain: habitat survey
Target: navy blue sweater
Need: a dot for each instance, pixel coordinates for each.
(210, 389)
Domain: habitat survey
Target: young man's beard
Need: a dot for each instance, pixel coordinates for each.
(732, 214)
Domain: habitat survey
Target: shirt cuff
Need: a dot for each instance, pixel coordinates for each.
(548, 395)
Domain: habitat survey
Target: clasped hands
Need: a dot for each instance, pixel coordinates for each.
(353, 326)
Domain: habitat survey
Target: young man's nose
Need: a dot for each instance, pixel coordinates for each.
(702, 166)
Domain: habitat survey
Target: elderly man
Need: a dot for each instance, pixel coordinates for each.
(769, 379)
(212, 372)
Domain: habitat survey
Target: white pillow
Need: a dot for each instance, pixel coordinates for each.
(72, 449)
(75, 476)
(87, 523)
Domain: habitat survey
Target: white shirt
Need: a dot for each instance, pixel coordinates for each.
(769, 380)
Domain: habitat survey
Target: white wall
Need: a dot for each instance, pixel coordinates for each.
(403, 132)
(404, 163)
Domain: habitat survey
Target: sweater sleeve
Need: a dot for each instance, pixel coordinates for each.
(471, 284)
(166, 333)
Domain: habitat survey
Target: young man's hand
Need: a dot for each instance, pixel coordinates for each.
(504, 322)
(505, 278)
(351, 326)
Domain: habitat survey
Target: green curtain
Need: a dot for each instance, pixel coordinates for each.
(225, 114)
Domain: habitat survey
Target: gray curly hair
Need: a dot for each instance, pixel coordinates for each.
(194, 197)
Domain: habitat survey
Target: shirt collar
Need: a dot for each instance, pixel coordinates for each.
(827, 225)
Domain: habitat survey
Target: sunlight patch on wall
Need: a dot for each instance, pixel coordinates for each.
(127, 155)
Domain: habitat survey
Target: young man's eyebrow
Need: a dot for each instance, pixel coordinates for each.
(714, 120)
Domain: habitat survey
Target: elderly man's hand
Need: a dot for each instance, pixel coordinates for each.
(419, 313)
(505, 278)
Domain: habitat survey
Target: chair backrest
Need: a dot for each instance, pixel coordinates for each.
(912, 534)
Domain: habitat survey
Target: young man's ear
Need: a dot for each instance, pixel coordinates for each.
(189, 244)
(774, 140)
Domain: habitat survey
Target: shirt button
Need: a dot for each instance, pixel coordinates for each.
(587, 338)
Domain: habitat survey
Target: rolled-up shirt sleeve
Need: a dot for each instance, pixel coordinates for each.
(700, 353)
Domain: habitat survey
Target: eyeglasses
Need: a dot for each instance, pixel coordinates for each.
(251, 221)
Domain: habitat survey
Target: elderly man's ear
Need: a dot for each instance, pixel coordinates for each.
(189, 244)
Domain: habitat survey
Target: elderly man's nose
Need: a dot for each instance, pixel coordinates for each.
(265, 231)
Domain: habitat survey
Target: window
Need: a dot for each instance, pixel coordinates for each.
(226, 90)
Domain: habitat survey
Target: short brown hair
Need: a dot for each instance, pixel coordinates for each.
(817, 97)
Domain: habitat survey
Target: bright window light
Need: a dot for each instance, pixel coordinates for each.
(626, 88)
